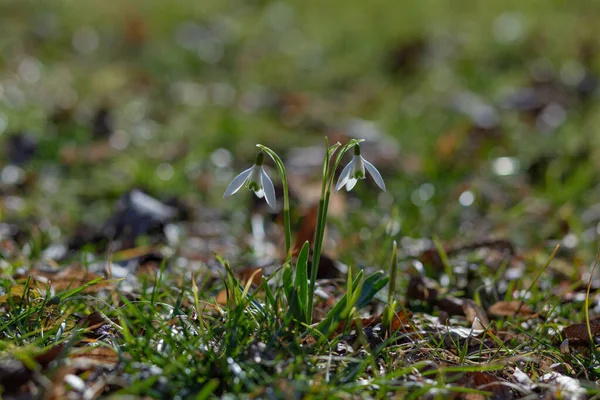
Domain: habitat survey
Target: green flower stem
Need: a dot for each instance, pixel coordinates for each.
(318, 239)
(286, 199)
(316, 256)
(327, 182)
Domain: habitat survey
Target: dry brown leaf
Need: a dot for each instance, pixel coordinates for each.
(47, 357)
(475, 314)
(401, 320)
(135, 30)
(306, 233)
(510, 308)
(18, 293)
(90, 154)
(422, 288)
(447, 144)
(149, 265)
(68, 278)
(451, 305)
(426, 289)
(243, 276)
(247, 274)
(96, 355)
(221, 297)
(484, 381)
(578, 333)
(134, 252)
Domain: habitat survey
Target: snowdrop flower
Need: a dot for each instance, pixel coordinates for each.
(256, 179)
(355, 170)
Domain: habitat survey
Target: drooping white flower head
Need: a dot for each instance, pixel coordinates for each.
(256, 179)
(355, 170)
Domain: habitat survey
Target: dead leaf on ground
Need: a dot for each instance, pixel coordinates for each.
(45, 358)
(243, 276)
(451, 305)
(447, 145)
(95, 355)
(422, 288)
(86, 155)
(426, 289)
(306, 232)
(475, 314)
(251, 274)
(139, 214)
(18, 293)
(400, 320)
(149, 265)
(328, 268)
(221, 297)
(486, 382)
(578, 333)
(64, 279)
(135, 29)
(510, 308)
(134, 252)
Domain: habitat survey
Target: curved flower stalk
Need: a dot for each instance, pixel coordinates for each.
(286, 198)
(355, 170)
(256, 179)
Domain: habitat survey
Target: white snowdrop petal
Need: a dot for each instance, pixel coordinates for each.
(351, 183)
(375, 174)
(237, 182)
(269, 190)
(344, 176)
(358, 166)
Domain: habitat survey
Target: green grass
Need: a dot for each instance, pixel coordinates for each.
(286, 75)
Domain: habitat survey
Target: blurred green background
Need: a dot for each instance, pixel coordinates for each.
(483, 115)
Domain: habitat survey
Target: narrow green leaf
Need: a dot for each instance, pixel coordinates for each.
(373, 284)
(288, 286)
(337, 313)
(302, 281)
(269, 298)
(208, 389)
(443, 256)
(349, 291)
(72, 292)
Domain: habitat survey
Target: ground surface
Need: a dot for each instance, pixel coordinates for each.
(122, 124)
